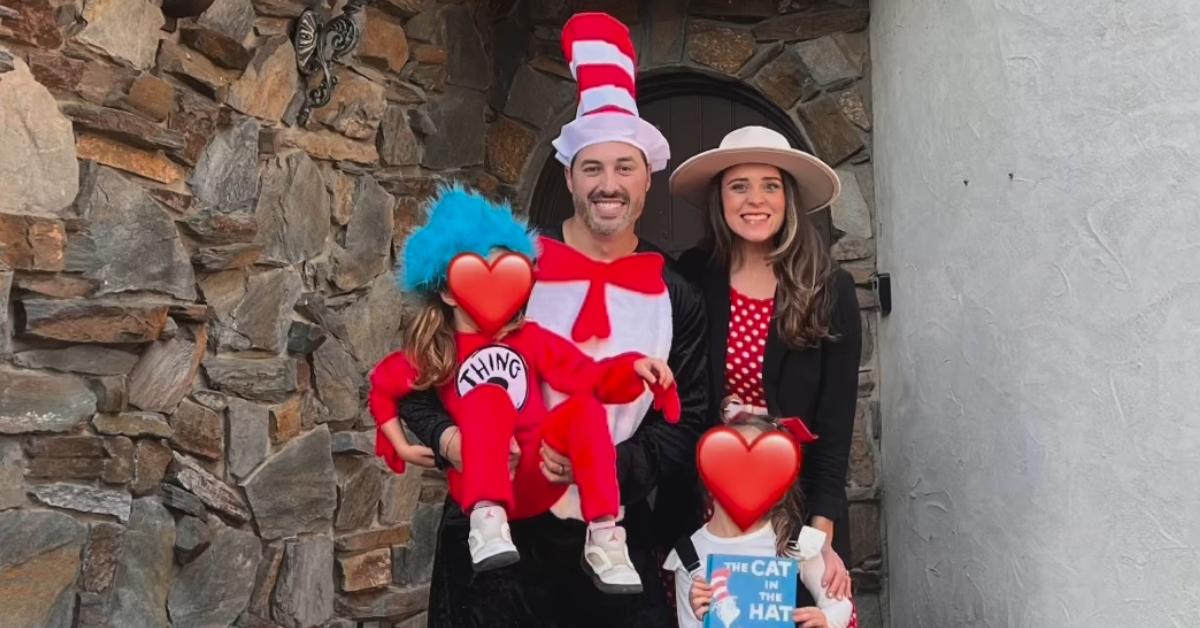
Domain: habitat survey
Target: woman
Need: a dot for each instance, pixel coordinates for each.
(783, 321)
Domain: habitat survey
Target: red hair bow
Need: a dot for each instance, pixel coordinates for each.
(796, 428)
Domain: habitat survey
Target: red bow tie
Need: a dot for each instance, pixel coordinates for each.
(640, 272)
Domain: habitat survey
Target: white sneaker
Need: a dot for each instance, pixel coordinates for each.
(606, 559)
(490, 540)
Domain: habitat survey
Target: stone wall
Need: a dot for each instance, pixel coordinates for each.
(193, 290)
(193, 287)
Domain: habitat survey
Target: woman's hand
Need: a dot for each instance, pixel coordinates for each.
(810, 617)
(700, 597)
(451, 446)
(836, 580)
(556, 467)
(654, 371)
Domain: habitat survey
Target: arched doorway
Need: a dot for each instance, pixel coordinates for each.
(694, 111)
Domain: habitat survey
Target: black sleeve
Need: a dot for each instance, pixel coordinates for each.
(426, 417)
(692, 264)
(659, 450)
(827, 459)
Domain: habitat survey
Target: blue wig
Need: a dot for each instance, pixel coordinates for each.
(460, 222)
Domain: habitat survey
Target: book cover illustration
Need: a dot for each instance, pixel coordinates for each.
(751, 591)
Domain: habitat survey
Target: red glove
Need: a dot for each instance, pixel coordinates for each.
(667, 400)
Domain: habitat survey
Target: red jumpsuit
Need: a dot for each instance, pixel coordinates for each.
(496, 393)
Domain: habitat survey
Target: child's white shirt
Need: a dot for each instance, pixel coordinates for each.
(760, 542)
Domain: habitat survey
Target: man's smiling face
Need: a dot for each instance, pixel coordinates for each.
(608, 184)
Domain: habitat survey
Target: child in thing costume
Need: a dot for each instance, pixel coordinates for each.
(492, 389)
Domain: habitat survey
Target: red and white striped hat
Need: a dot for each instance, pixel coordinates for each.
(602, 59)
(720, 583)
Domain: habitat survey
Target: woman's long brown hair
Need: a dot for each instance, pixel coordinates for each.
(801, 260)
(787, 517)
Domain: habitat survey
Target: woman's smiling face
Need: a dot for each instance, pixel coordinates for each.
(753, 201)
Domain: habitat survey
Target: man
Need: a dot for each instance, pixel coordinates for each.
(602, 287)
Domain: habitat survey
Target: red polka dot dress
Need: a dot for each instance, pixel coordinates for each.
(749, 323)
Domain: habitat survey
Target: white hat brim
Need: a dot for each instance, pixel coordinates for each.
(819, 184)
(597, 128)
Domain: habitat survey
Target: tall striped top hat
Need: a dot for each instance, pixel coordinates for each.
(602, 59)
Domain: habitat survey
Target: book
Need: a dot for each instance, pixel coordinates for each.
(751, 591)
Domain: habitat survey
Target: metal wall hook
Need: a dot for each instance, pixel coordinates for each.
(318, 46)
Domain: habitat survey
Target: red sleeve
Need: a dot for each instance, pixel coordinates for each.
(571, 371)
(619, 383)
(391, 381)
(559, 362)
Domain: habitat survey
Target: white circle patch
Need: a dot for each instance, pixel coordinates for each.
(499, 365)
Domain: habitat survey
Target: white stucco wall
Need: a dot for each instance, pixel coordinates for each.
(1041, 367)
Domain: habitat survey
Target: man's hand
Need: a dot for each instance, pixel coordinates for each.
(412, 454)
(418, 455)
(556, 467)
(514, 457)
(810, 617)
(701, 597)
(452, 451)
(451, 447)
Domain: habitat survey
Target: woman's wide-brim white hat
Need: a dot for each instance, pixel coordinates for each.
(818, 183)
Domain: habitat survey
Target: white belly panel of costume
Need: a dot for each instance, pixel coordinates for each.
(638, 322)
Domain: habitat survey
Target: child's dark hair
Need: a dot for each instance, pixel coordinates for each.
(787, 517)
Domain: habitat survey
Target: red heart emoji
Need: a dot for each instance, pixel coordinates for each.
(491, 295)
(747, 479)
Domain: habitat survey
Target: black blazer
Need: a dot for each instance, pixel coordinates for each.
(819, 385)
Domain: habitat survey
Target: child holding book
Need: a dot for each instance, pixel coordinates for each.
(779, 533)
